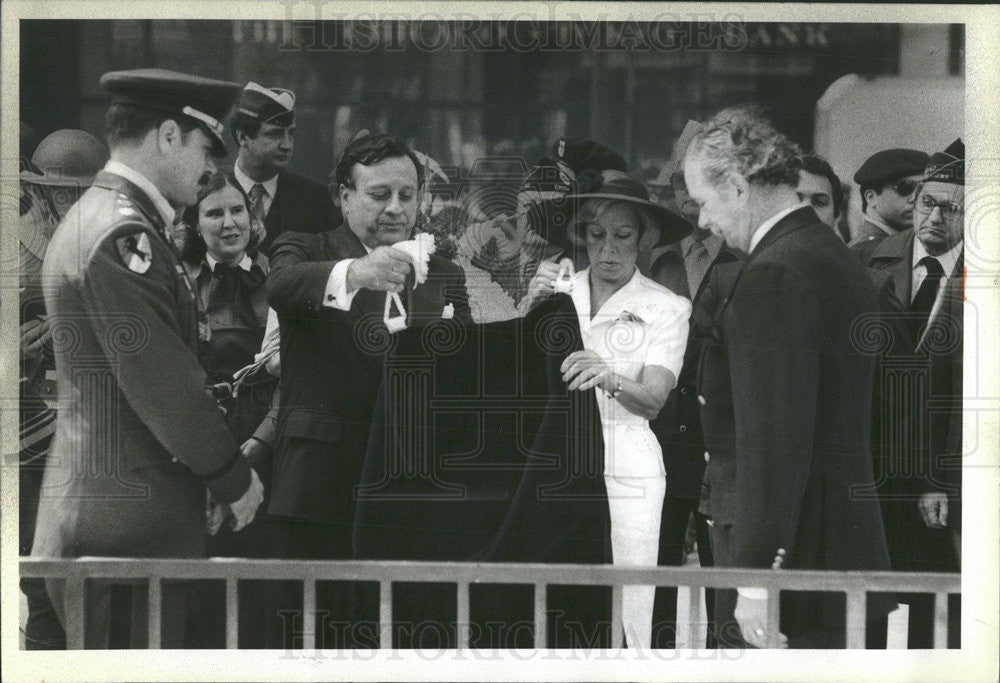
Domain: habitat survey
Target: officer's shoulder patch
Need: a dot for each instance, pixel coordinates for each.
(135, 251)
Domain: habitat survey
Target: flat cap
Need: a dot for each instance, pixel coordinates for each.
(267, 105)
(948, 166)
(206, 100)
(890, 164)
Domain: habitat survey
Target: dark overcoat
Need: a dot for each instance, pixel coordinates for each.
(787, 392)
(933, 457)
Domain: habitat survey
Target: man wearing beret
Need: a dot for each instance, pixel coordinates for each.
(264, 128)
(927, 266)
(887, 182)
(138, 440)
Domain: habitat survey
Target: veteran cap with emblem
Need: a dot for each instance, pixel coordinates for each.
(267, 105)
(947, 166)
(890, 164)
(206, 100)
(554, 174)
(581, 154)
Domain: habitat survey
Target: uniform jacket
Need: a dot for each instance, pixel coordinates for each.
(867, 232)
(332, 363)
(38, 395)
(299, 205)
(939, 350)
(678, 426)
(137, 439)
(787, 418)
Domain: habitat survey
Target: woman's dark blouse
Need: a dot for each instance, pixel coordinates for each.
(232, 309)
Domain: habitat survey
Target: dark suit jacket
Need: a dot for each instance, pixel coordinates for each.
(299, 205)
(793, 388)
(938, 353)
(678, 426)
(332, 363)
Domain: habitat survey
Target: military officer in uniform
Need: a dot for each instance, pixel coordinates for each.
(138, 440)
(887, 182)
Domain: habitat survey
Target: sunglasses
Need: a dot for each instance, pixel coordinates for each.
(904, 187)
(677, 182)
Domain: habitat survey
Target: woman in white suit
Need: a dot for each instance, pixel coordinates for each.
(634, 333)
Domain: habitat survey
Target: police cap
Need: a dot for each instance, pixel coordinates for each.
(206, 100)
(267, 105)
(888, 165)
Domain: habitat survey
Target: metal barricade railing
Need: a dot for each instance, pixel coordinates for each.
(855, 584)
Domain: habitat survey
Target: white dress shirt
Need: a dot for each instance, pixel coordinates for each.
(948, 261)
(336, 294)
(766, 226)
(246, 182)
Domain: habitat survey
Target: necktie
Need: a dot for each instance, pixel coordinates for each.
(257, 193)
(696, 262)
(923, 302)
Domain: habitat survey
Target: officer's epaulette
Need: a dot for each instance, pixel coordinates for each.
(125, 207)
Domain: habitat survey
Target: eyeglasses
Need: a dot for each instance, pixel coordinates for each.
(904, 187)
(677, 182)
(949, 209)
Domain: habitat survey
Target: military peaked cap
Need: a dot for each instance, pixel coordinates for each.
(206, 100)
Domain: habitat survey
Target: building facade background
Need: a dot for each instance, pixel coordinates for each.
(459, 90)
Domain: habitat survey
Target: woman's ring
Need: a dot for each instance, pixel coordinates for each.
(758, 631)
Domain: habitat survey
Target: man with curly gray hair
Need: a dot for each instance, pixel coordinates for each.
(785, 389)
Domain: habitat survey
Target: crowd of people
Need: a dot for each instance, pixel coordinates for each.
(214, 363)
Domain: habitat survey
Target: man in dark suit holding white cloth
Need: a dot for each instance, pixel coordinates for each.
(789, 392)
(329, 291)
